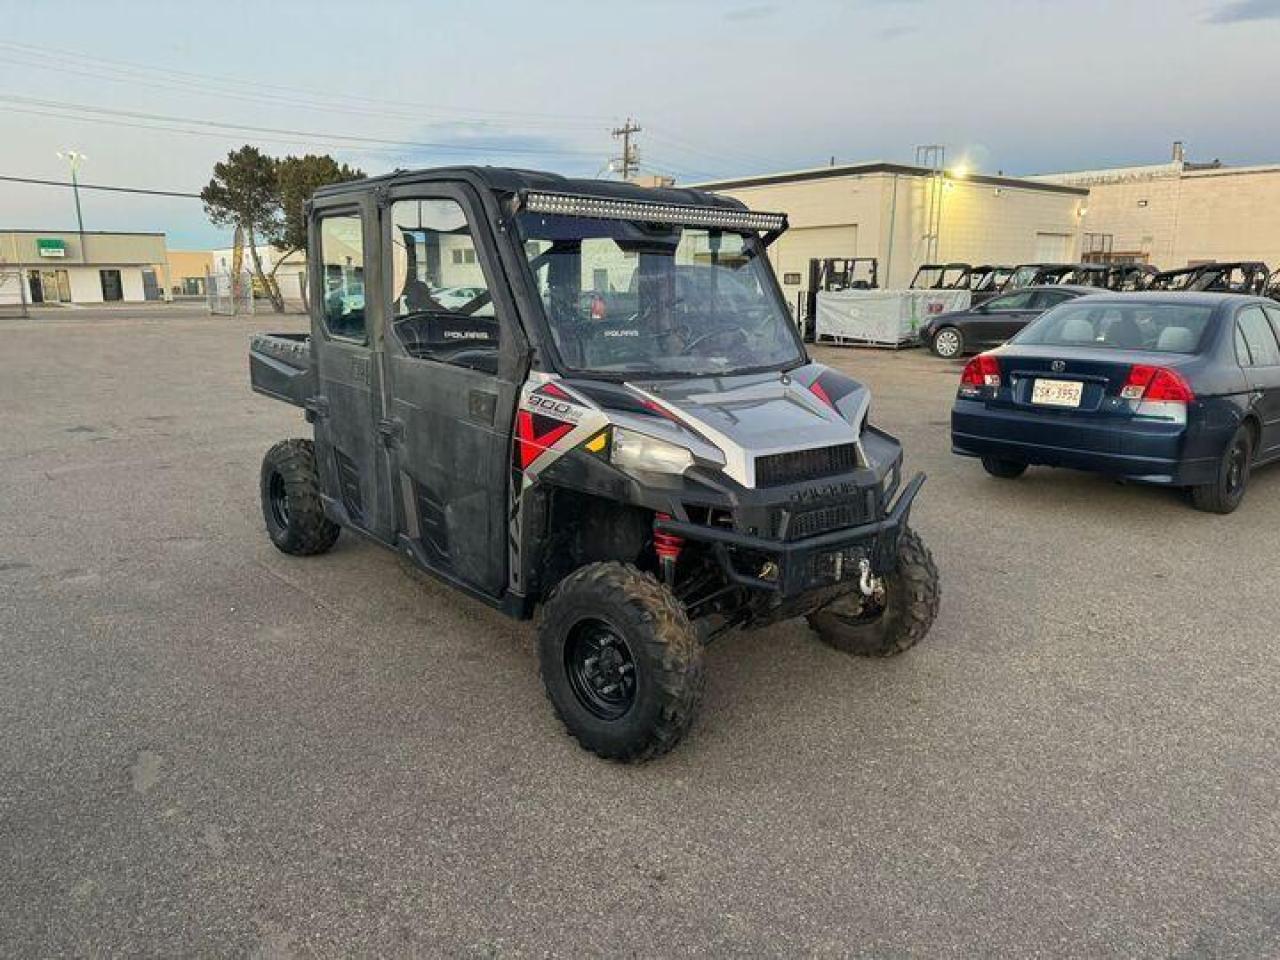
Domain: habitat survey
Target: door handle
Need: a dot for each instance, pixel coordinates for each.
(391, 430)
(482, 405)
(317, 408)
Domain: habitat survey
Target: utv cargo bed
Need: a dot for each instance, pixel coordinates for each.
(280, 366)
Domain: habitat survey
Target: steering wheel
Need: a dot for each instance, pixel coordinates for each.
(713, 335)
(742, 330)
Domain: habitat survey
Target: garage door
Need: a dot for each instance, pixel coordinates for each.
(1053, 247)
(795, 248)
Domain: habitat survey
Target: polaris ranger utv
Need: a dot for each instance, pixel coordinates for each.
(587, 400)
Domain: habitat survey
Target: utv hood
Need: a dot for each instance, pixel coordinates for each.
(755, 415)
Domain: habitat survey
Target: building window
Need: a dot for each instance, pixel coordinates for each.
(464, 256)
(112, 287)
(49, 286)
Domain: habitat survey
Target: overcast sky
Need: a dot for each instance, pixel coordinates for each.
(720, 87)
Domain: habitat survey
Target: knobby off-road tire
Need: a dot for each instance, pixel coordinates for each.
(291, 503)
(910, 605)
(620, 661)
(1004, 469)
(1232, 480)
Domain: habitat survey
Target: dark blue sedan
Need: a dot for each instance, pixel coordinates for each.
(1180, 389)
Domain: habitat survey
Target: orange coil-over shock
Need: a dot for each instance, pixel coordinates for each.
(667, 546)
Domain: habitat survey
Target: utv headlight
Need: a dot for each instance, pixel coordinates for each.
(635, 451)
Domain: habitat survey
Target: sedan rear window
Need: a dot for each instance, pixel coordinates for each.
(1152, 327)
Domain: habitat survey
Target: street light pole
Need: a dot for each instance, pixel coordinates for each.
(74, 158)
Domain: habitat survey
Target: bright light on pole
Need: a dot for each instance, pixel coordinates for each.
(74, 158)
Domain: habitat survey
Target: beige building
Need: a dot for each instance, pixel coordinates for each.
(57, 266)
(188, 272)
(893, 212)
(1179, 213)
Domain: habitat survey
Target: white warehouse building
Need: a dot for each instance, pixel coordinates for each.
(59, 266)
(893, 212)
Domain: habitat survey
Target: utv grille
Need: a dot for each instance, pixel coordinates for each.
(798, 466)
(810, 523)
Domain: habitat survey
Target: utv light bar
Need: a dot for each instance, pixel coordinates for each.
(573, 205)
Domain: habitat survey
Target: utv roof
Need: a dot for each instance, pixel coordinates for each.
(1224, 266)
(510, 180)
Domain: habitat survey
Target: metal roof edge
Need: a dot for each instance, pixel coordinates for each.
(901, 169)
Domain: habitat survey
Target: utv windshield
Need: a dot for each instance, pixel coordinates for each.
(628, 298)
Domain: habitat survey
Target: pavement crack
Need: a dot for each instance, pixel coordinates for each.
(309, 594)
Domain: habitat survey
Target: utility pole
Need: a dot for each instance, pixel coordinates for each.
(74, 158)
(629, 162)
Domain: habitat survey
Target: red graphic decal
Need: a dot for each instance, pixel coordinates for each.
(535, 434)
(659, 410)
(551, 390)
(818, 391)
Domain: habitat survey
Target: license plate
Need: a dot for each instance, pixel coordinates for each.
(1057, 393)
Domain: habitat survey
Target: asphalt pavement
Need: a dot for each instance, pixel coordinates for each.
(208, 748)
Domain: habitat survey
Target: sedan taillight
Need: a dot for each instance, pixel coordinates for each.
(982, 373)
(1156, 385)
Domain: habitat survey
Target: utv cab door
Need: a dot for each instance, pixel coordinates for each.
(454, 354)
(352, 464)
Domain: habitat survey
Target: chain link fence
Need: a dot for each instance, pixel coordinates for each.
(229, 295)
(13, 293)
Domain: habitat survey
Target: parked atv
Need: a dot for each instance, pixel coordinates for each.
(616, 428)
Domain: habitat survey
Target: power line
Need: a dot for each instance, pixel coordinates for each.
(118, 71)
(276, 100)
(98, 186)
(262, 138)
(186, 79)
(689, 147)
(477, 147)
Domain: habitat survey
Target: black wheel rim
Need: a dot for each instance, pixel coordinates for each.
(601, 669)
(1237, 467)
(278, 499)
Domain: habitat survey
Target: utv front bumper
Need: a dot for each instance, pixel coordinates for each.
(789, 569)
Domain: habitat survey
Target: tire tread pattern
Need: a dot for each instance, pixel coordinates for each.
(1215, 497)
(310, 531)
(914, 602)
(670, 641)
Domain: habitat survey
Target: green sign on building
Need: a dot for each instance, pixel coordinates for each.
(51, 246)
